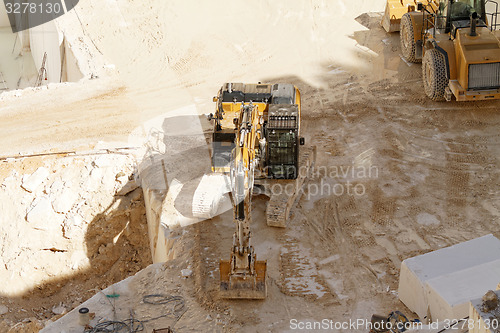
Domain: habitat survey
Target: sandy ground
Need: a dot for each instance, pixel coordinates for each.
(167, 55)
(433, 181)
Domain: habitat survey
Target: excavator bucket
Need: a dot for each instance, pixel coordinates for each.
(394, 11)
(243, 286)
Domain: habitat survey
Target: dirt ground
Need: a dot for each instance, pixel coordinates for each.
(427, 176)
(426, 173)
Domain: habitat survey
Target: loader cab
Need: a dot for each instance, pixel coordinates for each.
(455, 14)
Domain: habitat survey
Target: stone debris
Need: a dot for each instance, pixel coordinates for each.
(79, 259)
(71, 231)
(186, 272)
(11, 178)
(65, 200)
(102, 162)
(490, 301)
(56, 187)
(54, 207)
(30, 183)
(59, 309)
(427, 219)
(96, 174)
(125, 187)
(53, 217)
(41, 216)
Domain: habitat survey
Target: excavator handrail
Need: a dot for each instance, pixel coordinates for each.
(494, 15)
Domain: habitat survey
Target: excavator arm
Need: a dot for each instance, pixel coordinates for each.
(256, 140)
(243, 276)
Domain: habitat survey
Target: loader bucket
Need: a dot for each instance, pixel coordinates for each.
(243, 286)
(394, 11)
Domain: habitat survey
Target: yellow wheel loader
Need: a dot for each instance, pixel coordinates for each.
(459, 50)
(394, 11)
(256, 141)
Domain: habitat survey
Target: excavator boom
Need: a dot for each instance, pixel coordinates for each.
(243, 277)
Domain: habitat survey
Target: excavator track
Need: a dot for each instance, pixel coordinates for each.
(281, 202)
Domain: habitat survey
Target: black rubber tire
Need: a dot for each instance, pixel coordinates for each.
(434, 75)
(407, 40)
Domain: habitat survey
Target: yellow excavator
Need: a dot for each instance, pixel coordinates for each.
(458, 47)
(256, 140)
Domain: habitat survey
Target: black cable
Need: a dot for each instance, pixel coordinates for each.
(117, 326)
(178, 309)
(129, 325)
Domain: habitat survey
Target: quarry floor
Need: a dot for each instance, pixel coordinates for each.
(427, 172)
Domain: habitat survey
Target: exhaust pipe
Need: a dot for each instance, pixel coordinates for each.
(473, 24)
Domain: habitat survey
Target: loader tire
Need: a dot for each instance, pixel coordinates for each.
(406, 37)
(434, 75)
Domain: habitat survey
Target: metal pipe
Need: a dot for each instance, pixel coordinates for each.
(473, 24)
